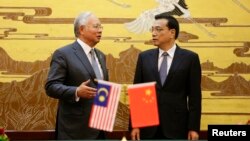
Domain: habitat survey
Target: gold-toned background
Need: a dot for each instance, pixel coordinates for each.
(30, 31)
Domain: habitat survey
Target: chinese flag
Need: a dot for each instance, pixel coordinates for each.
(143, 105)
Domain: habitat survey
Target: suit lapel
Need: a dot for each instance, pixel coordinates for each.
(83, 58)
(154, 63)
(102, 62)
(175, 64)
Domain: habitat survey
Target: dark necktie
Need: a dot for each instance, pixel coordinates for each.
(163, 68)
(95, 65)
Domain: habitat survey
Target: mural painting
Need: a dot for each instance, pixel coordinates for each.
(30, 31)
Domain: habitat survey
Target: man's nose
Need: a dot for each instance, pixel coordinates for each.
(153, 34)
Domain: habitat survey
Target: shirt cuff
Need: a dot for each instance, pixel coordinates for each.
(76, 97)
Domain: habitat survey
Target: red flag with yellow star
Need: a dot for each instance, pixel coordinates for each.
(143, 105)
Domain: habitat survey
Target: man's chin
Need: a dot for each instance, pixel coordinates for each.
(155, 44)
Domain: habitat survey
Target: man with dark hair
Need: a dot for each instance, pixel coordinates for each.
(177, 72)
(71, 77)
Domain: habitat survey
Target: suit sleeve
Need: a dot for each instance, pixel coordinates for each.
(55, 86)
(194, 99)
(138, 71)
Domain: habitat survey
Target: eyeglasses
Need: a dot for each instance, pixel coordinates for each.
(157, 29)
(98, 27)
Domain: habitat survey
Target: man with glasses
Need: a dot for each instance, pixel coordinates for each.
(71, 79)
(177, 72)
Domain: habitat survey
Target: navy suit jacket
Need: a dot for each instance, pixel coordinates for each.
(68, 69)
(179, 99)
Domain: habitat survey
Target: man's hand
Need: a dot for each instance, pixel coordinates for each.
(85, 91)
(135, 134)
(193, 135)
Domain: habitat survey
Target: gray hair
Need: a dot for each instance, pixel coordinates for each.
(81, 19)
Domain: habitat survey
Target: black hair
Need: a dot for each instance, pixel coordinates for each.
(172, 22)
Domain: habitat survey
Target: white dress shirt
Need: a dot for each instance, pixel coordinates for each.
(170, 57)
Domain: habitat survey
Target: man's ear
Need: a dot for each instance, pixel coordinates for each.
(173, 32)
(82, 29)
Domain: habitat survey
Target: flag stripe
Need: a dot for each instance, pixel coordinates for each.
(111, 114)
(114, 105)
(103, 118)
(108, 110)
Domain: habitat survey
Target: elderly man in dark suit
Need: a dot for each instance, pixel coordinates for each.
(177, 72)
(71, 77)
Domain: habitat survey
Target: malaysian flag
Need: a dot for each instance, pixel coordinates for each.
(105, 106)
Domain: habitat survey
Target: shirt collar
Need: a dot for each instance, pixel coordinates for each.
(84, 46)
(170, 51)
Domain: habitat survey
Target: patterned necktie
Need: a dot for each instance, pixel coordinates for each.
(95, 65)
(163, 68)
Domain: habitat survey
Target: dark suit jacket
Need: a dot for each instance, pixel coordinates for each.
(68, 69)
(179, 99)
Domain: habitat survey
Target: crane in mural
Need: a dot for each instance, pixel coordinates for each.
(171, 7)
(241, 5)
(124, 5)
